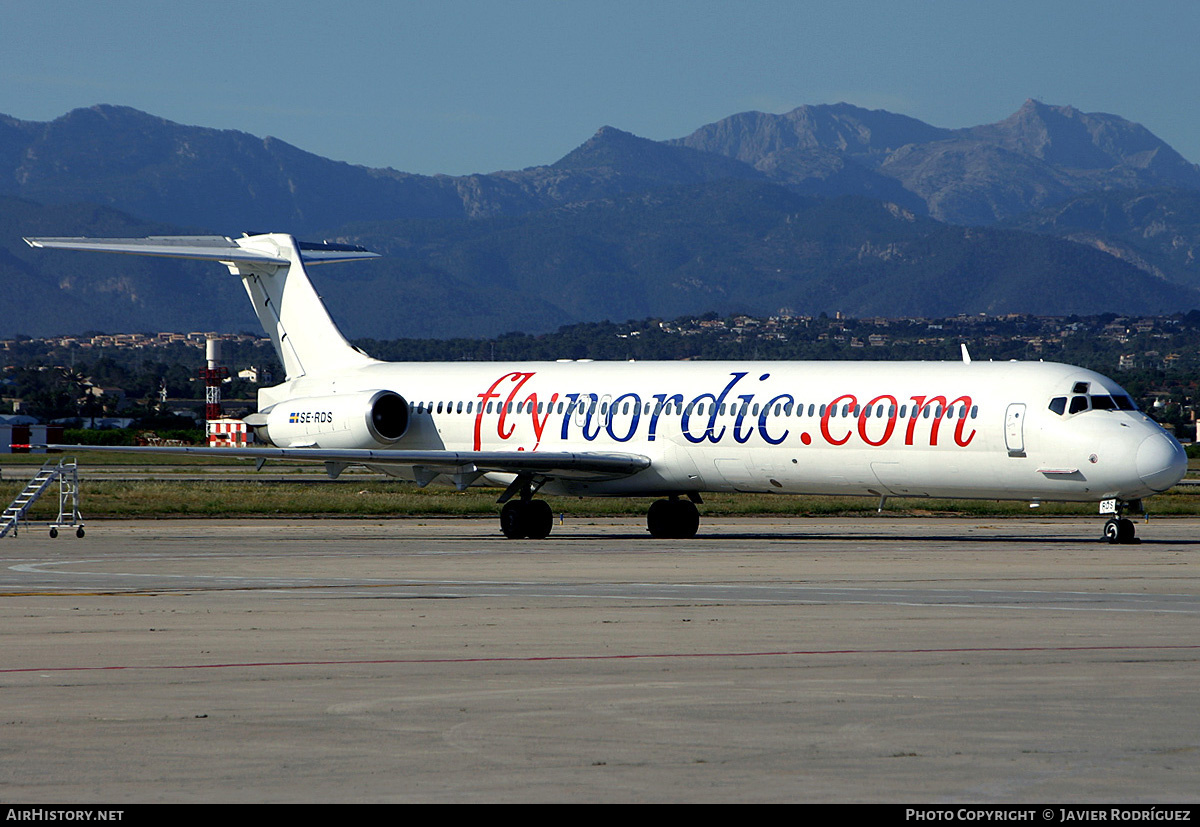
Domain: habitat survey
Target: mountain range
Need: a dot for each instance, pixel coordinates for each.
(824, 208)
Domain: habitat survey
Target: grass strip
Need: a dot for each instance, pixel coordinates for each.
(363, 498)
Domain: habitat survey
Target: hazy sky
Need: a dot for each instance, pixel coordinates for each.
(460, 86)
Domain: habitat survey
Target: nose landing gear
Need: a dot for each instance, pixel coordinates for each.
(1119, 528)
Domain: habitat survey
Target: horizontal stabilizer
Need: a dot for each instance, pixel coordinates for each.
(208, 248)
(205, 248)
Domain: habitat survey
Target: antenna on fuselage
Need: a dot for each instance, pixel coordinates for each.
(966, 356)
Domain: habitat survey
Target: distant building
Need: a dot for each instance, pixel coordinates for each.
(110, 396)
(257, 375)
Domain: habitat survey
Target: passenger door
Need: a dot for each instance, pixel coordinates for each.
(1014, 429)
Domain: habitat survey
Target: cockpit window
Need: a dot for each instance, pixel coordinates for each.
(1080, 387)
(1096, 402)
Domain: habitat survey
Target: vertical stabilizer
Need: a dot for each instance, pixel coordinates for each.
(292, 314)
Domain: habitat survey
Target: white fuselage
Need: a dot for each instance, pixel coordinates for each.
(947, 429)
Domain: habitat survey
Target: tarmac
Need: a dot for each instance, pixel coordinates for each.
(887, 659)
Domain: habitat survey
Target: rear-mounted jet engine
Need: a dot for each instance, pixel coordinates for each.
(343, 420)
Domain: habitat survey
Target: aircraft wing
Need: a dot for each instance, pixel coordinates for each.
(548, 464)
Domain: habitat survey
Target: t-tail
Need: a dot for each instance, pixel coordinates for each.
(271, 267)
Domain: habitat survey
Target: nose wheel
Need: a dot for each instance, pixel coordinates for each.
(1119, 530)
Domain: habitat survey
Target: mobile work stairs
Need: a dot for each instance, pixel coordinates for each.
(66, 473)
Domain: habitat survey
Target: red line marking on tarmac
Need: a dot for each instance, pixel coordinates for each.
(543, 658)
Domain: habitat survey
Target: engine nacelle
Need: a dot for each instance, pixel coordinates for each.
(368, 419)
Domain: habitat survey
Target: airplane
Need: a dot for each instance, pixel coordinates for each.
(1034, 431)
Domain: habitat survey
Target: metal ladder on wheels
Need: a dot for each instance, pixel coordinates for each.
(66, 473)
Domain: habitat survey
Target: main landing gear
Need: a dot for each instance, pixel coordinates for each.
(526, 518)
(673, 519)
(1119, 528)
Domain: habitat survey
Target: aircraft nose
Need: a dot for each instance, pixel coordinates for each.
(1161, 462)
